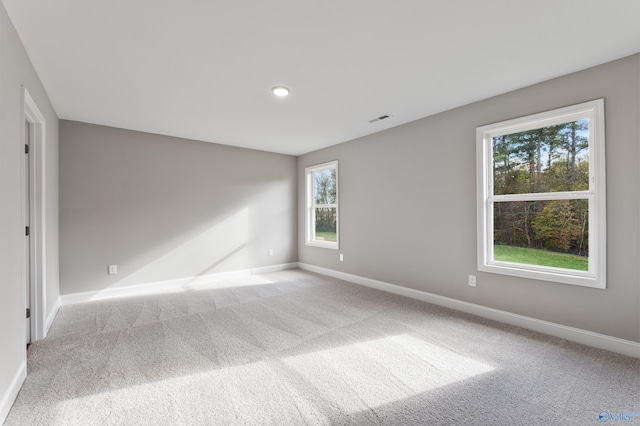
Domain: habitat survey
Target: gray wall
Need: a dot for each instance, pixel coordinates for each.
(16, 71)
(165, 208)
(408, 205)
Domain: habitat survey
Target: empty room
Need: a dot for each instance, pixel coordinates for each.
(292, 213)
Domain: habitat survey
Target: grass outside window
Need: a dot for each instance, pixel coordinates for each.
(532, 256)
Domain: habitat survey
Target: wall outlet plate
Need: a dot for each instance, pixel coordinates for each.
(472, 280)
(113, 269)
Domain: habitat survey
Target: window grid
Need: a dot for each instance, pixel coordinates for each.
(595, 276)
(313, 207)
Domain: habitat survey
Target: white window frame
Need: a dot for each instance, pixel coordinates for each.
(596, 195)
(310, 223)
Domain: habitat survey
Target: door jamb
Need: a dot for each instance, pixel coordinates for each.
(32, 114)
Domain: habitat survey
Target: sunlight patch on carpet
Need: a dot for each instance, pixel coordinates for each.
(244, 393)
(373, 373)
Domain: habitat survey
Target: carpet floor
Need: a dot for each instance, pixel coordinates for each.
(298, 348)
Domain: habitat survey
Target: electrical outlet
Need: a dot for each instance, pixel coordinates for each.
(472, 280)
(341, 257)
(113, 269)
(270, 252)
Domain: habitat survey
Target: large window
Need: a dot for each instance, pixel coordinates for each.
(322, 205)
(541, 196)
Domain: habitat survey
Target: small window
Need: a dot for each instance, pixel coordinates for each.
(322, 205)
(541, 196)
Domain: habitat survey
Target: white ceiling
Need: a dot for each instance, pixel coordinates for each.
(203, 69)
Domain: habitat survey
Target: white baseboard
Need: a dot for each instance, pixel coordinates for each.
(141, 289)
(585, 337)
(52, 316)
(9, 396)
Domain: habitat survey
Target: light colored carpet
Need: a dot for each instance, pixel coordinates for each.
(298, 348)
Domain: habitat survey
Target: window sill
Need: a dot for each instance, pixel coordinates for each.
(557, 275)
(332, 246)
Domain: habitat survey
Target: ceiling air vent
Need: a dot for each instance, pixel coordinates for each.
(382, 117)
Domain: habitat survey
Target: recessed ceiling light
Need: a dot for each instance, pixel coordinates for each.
(280, 91)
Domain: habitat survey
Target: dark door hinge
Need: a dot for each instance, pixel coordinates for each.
(26, 149)
(26, 230)
(28, 312)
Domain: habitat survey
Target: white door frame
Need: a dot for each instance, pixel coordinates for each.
(26, 214)
(38, 302)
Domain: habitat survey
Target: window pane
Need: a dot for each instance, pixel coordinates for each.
(325, 224)
(324, 188)
(548, 159)
(547, 233)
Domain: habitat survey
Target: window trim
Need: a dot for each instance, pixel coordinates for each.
(309, 206)
(595, 277)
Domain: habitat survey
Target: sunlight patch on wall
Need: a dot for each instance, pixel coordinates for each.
(222, 245)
